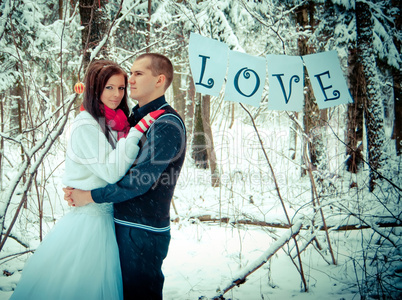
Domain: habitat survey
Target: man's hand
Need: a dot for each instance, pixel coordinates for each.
(76, 197)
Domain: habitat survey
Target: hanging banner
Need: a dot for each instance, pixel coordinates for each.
(246, 78)
(285, 77)
(208, 63)
(326, 77)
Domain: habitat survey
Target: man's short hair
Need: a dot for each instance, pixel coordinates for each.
(160, 64)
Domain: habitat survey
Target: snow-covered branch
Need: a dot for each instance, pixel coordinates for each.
(112, 28)
(34, 158)
(240, 278)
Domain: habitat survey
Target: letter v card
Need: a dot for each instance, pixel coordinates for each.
(286, 80)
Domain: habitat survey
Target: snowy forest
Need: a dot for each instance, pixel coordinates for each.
(269, 204)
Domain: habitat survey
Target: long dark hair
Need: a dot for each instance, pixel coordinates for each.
(97, 75)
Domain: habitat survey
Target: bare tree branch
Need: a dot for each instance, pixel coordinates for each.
(278, 244)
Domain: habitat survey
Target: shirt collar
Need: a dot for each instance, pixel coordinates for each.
(140, 112)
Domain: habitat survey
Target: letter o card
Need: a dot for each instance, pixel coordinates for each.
(246, 78)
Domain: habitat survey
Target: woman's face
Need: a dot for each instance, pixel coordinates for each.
(114, 91)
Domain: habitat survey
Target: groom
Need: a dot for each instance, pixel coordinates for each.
(142, 198)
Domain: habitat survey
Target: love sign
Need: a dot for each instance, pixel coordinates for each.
(246, 76)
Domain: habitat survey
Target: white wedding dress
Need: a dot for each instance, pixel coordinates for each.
(79, 258)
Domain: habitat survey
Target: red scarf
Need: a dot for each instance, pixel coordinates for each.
(115, 119)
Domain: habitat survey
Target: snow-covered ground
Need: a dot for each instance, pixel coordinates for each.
(205, 256)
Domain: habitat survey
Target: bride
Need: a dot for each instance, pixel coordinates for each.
(79, 258)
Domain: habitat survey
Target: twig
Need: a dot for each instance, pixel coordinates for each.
(348, 227)
(317, 198)
(106, 37)
(368, 226)
(366, 162)
(279, 195)
(14, 255)
(41, 149)
(25, 245)
(278, 244)
(141, 50)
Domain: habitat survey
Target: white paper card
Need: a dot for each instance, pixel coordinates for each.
(246, 78)
(326, 77)
(285, 76)
(208, 64)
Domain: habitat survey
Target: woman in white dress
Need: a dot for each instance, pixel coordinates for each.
(79, 258)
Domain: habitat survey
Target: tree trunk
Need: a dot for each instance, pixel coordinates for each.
(1, 140)
(354, 133)
(293, 138)
(397, 130)
(205, 108)
(397, 79)
(373, 113)
(148, 36)
(58, 99)
(179, 94)
(232, 114)
(58, 86)
(17, 112)
(311, 113)
(199, 146)
(60, 9)
(16, 107)
(189, 109)
(17, 115)
(93, 18)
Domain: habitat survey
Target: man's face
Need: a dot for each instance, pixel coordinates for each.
(142, 82)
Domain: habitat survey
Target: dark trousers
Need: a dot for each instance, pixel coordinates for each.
(141, 256)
